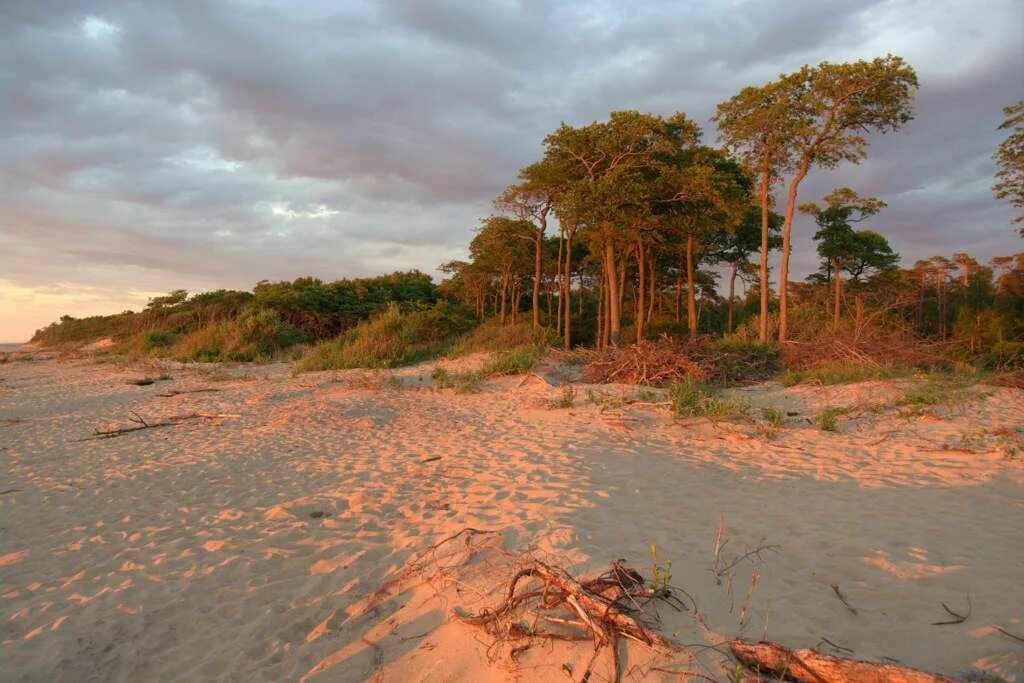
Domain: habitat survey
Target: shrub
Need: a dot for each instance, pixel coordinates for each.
(392, 339)
(514, 362)
(738, 360)
(828, 420)
(461, 382)
(493, 336)
(159, 339)
(256, 334)
(844, 373)
(1004, 356)
(693, 399)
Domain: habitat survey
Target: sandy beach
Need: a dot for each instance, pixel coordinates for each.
(248, 539)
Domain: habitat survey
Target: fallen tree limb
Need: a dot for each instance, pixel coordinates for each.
(178, 392)
(808, 666)
(140, 424)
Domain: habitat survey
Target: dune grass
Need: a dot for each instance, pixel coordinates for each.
(844, 373)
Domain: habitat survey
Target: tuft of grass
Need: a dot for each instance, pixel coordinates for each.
(566, 398)
(828, 419)
(461, 382)
(515, 362)
(693, 399)
(774, 417)
(844, 373)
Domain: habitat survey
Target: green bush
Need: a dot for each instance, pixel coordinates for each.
(738, 360)
(493, 336)
(461, 382)
(392, 339)
(256, 334)
(159, 339)
(690, 398)
(515, 362)
(1004, 355)
(844, 373)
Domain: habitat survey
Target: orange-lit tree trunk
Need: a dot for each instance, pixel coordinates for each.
(691, 298)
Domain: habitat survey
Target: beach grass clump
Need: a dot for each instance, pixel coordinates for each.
(828, 419)
(690, 398)
(566, 398)
(493, 336)
(391, 339)
(461, 382)
(257, 334)
(844, 373)
(517, 361)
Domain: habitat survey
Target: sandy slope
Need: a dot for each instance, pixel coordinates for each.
(246, 547)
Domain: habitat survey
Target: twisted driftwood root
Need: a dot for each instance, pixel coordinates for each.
(608, 608)
(808, 666)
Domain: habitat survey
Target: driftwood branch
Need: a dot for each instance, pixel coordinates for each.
(957, 618)
(178, 392)
(808, 666)
(141, 423)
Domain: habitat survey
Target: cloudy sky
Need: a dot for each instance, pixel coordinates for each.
(201, 144)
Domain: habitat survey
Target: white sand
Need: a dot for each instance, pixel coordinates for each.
(189, 552)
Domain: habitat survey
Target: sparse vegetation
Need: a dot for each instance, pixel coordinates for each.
(693, 399)
(828, 419)
(515, 362)
(844, 373)
(566, 398)
(461, 382)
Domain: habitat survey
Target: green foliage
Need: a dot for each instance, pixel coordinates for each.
(1004, 356)
(159, 339)
(566, 398)
(514, 362)
(828, 419)
(461, 382)
(774, 417)
(844, 373)
(257, 334)
(493, 336)
(1010, 159)
(391, 339)
(661, 574)
(738, 360)
(693, 399)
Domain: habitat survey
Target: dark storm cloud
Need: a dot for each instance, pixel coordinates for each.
(152, 145)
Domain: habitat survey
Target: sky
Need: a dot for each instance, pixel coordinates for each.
(152, 146)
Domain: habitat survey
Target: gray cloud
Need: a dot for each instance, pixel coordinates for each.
(206, 144)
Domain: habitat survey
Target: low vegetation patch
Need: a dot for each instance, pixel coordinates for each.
(844, 372)
(515, 362)
(722, 362)
(461, 382)
(391, 339)
(493, 336)
(690, 398)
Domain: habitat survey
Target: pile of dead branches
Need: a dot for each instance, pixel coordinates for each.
(604, 609)
(662, 362)
(652, 363)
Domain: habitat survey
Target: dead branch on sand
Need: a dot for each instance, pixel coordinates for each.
(178, 392)
(808, 666)
(957, 618)
(141, 423)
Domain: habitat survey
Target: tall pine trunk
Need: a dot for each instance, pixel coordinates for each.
(765, 291)
(614, 294)
(787, 229)
(691, 298)
(732, 294)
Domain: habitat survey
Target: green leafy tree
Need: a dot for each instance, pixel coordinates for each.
(758, 126)
(837, 106)
(1010, 159)
(608, 166)
(734, 247)
(843, 248)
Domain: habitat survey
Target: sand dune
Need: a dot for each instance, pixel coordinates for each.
(250, 547)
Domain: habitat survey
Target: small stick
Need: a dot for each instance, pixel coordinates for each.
(1007, 633)
(957, 618)
(843, 599)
